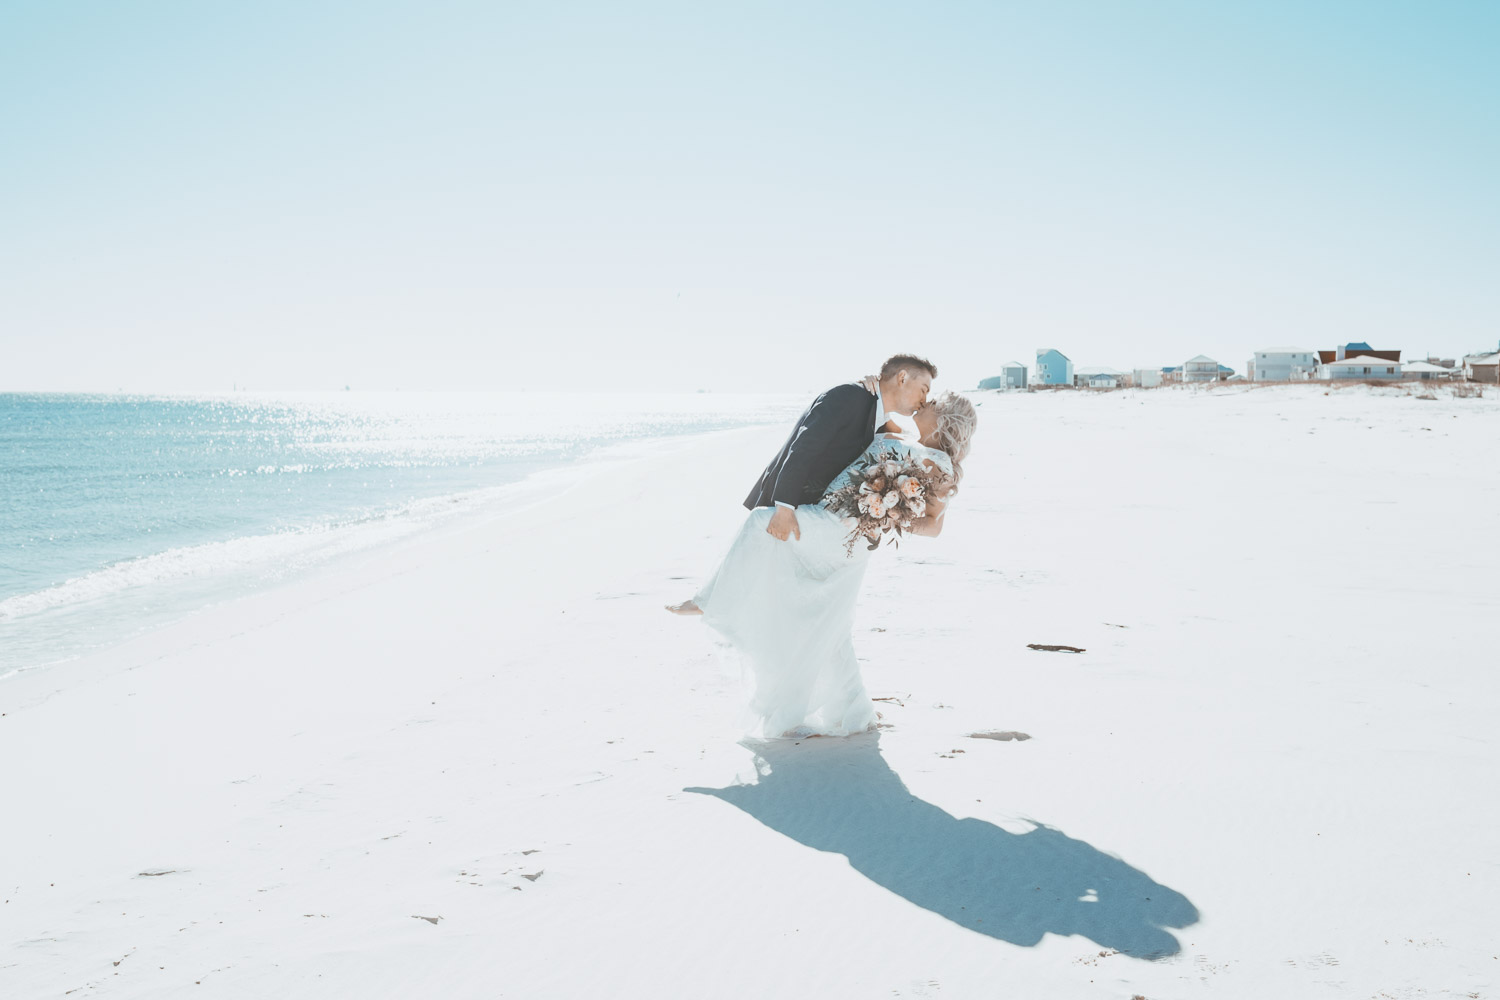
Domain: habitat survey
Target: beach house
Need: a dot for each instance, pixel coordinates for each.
(1108, 378)
(1356, 349)
(1012, 376)
(1483, 368)
(1423, 371)
(1203, 369)
(1053, 367)
(1282, 364)
(1363, 367)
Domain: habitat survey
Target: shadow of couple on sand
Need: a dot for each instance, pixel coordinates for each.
(839, 795)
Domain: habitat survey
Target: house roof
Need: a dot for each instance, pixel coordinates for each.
(1110, 375)
(1329, 357)
(1284, 350)
(1365, 359)
(1225, 368)
(1423, 366)
(1097, 370)
(1483, 359)
(1357, 345)
(1198, 359)
(1011, 364)
(1170, 368)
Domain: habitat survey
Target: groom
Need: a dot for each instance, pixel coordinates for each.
(831, 433)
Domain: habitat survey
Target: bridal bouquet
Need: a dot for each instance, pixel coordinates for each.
(888, 495)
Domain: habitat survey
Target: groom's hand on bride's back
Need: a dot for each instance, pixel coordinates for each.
(784, 524)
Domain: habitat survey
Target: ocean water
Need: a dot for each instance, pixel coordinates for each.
(119, 513)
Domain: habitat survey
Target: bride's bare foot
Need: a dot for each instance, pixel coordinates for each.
(685, 608)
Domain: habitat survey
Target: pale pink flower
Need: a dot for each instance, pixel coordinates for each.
(910, 486)
(892, 498)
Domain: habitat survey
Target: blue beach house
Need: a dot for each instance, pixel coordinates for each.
(1053, 367)
(1012, 376)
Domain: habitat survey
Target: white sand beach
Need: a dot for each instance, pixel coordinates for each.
(483, 762)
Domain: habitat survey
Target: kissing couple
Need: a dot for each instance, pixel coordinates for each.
(785, 594)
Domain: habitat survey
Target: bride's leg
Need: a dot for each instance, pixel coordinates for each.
(752, 533)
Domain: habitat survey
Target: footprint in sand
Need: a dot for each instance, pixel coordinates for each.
(1000, 734)
(1313, 962)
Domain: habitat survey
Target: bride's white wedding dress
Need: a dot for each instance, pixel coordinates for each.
(788, 608)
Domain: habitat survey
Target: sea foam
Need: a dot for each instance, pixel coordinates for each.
(121, 512)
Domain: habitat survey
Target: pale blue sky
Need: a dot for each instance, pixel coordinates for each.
(754, 195)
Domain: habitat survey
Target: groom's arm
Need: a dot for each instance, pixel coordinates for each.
(839, 410)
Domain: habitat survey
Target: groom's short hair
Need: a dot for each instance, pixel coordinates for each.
(896, 362)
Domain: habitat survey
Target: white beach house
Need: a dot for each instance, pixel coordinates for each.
(1200, 369)
(1362, 367)
(1283, 364)
(1146, 378)
(1098, 377)
(1423, 371)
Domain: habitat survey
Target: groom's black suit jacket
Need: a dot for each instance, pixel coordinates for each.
(829, 435)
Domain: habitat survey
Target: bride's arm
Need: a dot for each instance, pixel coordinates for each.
(930, 525)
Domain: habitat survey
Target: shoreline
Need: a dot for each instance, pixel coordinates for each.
(249, 564)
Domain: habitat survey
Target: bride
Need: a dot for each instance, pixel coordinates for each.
(788, 606)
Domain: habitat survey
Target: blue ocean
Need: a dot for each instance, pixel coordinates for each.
(119, 513)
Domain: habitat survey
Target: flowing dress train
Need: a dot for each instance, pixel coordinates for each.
(788, 609)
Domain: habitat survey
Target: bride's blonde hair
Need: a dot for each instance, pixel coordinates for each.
(957, 420)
